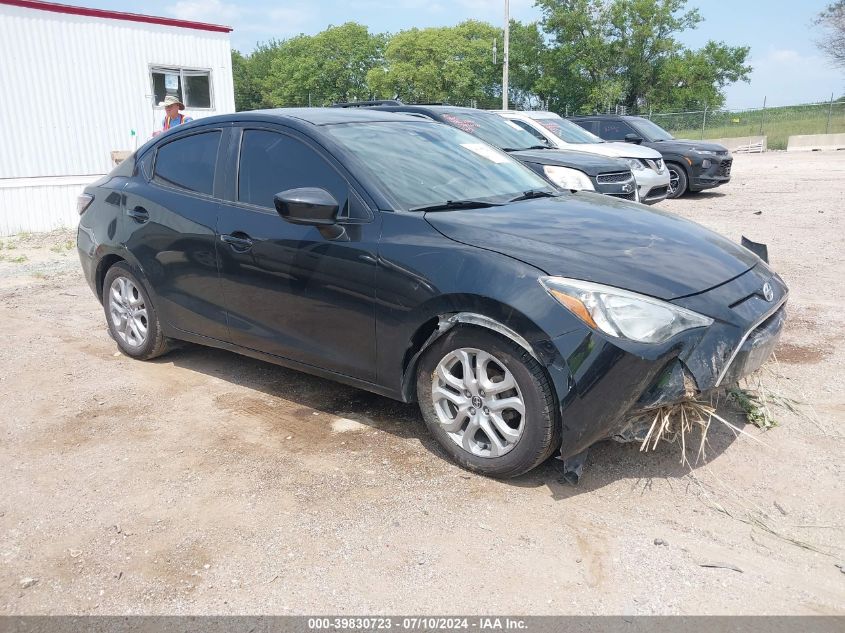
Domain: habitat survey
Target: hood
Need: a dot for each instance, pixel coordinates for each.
(685, 145)
(590, 164)
(616, 150)
(596, 238)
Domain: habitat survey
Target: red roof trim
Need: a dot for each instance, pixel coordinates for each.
(115, 15)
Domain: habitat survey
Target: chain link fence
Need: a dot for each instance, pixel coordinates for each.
(778, 124)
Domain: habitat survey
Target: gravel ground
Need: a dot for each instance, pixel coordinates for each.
(205, 482)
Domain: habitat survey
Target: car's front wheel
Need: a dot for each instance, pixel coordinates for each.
(678, 181)
(488, 402)
(131, 317)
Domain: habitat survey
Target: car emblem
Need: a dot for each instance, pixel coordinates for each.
(476, 402)
(626, 188)
(768, 293)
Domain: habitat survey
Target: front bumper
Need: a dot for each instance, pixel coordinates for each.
(653, 186)
(610, 381)
(718, 172)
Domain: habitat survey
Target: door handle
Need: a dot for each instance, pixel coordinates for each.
(139, 214)
(238, 241)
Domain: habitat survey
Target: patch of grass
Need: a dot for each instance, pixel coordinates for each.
(20, 259)
(39, 275)
(675, 423)
(755, 406)
(777, 123)
(61, 248)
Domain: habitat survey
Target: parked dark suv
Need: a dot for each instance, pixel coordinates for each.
(405, 257)
(693, 165)
(568, 169)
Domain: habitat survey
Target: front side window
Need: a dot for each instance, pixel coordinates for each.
(419, 164)
(525, 126)
(568, 131)
(271, 162)
(615, 130)
(651, 131)
(188, 162)
(191, 87)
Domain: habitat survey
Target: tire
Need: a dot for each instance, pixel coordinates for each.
(130, 315)
(520, 441)
(677, 172)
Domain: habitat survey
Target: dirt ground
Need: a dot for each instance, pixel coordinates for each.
(205, 482)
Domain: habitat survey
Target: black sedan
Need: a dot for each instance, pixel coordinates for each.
(405, 257)
(692, 165)
(568, 169)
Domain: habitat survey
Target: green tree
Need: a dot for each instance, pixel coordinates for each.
(249, 74)
(832, 21)
(606, 52)
(324, 68)
(452, 64)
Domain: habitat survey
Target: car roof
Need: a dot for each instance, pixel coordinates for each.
(431, 110)
(314, 116)
(601, 117)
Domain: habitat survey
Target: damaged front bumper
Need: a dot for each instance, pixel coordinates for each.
(613, 381)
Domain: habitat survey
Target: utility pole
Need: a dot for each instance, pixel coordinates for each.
(505, 56)
(829, 112)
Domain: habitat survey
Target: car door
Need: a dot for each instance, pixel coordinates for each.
(170, 209)
(300, 292)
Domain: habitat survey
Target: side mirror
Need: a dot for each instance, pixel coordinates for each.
(633, 138)
(310, 206)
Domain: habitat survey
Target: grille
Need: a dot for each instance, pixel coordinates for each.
(617, 176)
(725, 168)
(624, 196)
(657, 192)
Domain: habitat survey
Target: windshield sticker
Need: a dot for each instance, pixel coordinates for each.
(552, 127)
(486, 151)
(462, 124)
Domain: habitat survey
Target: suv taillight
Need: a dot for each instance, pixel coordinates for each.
(83, 201)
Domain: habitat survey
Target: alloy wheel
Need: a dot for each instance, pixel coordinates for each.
(478, 402)
(674, 181)
(128, 312)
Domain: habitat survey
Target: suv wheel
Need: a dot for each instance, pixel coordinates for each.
(131, 316)
(677, 180)
(487, 402)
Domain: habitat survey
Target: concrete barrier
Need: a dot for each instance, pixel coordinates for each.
(815, 142)
(742, 144)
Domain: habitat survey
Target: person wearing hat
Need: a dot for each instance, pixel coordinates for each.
(172, 107)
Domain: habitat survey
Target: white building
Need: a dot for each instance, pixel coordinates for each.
(77, 84)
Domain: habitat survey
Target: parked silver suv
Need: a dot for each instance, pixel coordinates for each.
(646, 164)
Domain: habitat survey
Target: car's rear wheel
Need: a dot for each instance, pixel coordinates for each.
(677, 180)
(131, 317)
(488, 402)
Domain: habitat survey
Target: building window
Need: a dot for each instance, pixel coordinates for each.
(193, 87)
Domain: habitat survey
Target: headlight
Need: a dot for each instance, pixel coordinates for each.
(704, 152)
(635, 164)
(621, 313)
(567, 178)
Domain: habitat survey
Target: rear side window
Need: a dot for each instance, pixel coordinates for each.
(188, 162)
(590, 126)
(272, 162)
(615, 130)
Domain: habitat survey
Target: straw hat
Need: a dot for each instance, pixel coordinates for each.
(170, 100)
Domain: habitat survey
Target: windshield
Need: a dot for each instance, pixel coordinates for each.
(568, 131)
(651, 131)
(492, 128)
(422, 163)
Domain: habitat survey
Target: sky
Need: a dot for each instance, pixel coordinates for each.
(788, 67)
